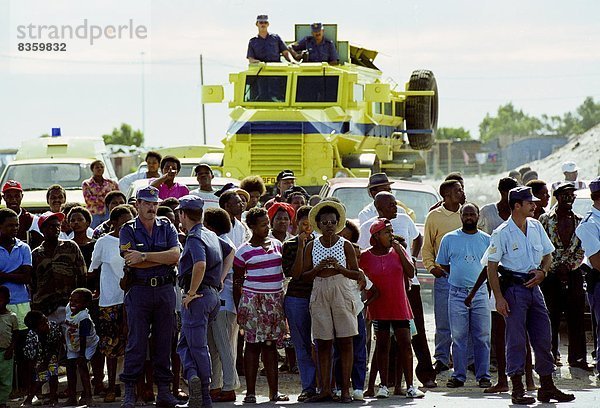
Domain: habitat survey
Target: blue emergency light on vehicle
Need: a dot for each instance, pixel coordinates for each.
(55, 132)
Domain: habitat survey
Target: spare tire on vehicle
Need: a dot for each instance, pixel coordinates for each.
(421, 111)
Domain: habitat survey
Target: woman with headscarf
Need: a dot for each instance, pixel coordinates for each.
(281, 216)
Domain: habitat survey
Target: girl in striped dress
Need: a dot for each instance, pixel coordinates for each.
(258, 294)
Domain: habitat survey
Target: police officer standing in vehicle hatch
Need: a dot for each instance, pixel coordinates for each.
(205, 261)
(318, 48)
(151, 250)
(522, 252)
(588, 232)
(266, 47)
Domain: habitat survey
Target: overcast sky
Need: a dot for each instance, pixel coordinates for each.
(544, 56)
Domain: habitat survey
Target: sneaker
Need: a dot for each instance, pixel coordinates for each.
(414, 392)
(383, 392)
(357, 395)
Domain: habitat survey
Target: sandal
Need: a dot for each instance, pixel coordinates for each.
(279, 397)
(249, 399)
(320, 398)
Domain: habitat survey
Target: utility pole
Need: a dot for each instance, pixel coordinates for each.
(203, 112)
(143, 97)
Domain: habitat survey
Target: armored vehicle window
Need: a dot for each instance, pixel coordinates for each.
(359, 92)
(377, 108)
(387, 108)
(398, 109)
(265, 88)
(317, 89)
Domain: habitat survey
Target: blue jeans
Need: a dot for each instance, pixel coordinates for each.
(359, 366)
(298, 317)
(470, 322)
(443, 339)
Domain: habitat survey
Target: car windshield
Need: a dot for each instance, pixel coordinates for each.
(41, 176)
(355, 199)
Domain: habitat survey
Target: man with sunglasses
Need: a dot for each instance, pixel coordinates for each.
(266, 47)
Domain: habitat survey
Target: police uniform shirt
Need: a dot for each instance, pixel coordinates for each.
(324, 52)
(134, 236)
(517, 252)
(588, 232)
(203, 245)
(266, 49)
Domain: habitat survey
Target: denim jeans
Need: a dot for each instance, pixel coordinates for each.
(473, 322)
(298, 317)
(359, 366)
(443, 339)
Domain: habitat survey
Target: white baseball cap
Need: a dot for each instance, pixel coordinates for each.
(569, 167)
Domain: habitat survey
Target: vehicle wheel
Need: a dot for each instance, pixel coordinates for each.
(422, 111)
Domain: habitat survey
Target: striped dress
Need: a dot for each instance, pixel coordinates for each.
(260, 312)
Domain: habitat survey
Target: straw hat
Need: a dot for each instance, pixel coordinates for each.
(312, 215)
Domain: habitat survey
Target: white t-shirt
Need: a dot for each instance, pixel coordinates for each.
(370, 211)
(209, 197)
(106, 254)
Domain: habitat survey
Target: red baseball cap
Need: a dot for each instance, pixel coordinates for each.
(47, 215)
(12, 185)
(379, 225)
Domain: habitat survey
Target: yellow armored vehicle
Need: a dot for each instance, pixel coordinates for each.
(324, 121)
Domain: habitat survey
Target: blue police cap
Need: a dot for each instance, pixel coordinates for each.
(262, 18)
(149, 194)
(522, 193)
(595, 185)
(316, 27)
(190, 202)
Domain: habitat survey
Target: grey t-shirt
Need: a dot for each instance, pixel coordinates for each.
(489, 218)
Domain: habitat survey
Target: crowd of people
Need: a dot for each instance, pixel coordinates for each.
(202, 285)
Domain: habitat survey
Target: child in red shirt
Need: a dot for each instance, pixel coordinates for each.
(389, 267)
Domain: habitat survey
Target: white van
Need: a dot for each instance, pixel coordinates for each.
(44, 161)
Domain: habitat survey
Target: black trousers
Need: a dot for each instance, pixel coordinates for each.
(567, 299)
(424, 369)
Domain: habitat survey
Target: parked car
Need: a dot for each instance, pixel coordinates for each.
(417, 196)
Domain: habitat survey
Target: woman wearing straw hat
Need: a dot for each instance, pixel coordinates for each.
(331, 262)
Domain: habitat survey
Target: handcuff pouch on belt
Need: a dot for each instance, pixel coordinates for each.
(592, 277)
(126, 281)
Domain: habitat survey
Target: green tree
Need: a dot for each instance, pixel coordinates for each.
(125, 136)
(449, 133)
(589, 113)
(509, 122)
